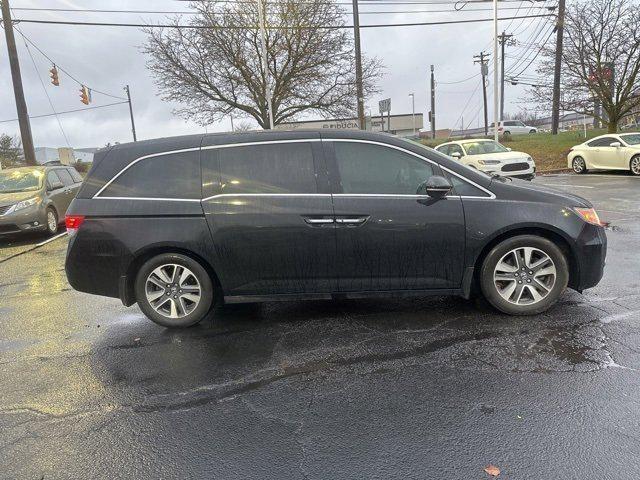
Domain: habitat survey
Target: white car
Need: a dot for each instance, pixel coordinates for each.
(490, 157)
(513, 127)
(607, 152)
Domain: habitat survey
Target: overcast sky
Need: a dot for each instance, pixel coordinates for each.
(107, 58)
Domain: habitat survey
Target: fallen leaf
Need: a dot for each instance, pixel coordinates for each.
(492, 470)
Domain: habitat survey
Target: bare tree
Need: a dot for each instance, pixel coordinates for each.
(214, 68)
(11, 154)
(600, 61)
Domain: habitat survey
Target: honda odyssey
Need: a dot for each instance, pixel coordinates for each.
(178, 225)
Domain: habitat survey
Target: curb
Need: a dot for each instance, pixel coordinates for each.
(33, 247)
(555, 170)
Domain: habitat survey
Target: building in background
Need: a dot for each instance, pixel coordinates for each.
(64, 155)
(401, 125)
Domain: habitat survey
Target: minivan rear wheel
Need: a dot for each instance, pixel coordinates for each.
(174, 290)
(524, 275)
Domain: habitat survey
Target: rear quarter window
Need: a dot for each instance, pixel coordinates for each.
(65, 177)
(173, 175)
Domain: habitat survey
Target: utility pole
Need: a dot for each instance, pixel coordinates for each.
(359, 87)
(413, 112)
(555, 109)
(133, 125)
(483, 60)
(433, 104)
(265, 63)
(496, 100)
(21, 104)
(503, 40)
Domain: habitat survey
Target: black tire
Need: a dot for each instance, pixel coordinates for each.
(507, 135)
(52, 227)
(634, 165)
(490, 288)
(158, 314)
(578, 165)
(533, 131)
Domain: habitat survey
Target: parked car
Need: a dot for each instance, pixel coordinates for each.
(491, 158)
(36, 198)
(607, 152)
(181, 224)
(512, 127)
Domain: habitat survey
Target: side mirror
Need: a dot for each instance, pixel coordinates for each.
(54, 186)
(615, 144)
(436, 187)
(509, 149)
(456, 155)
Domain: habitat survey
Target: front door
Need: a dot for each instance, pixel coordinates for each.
(270, 215)
(388, 236)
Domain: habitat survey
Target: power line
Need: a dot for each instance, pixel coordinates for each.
(282, 27)
(191, 12)
(66, 111)
(35, 67)
(27, 39)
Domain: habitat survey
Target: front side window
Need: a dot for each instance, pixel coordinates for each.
(268, 168)
(482, 147)
(375, 169)
(444, 149)
(175, 175)
(12, 181)
(456, 149)
(465, 189)
(631, 139)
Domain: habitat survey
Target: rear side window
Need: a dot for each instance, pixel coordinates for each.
(65, 177)
(175, 175)
(374, 169)
(267, 168)
(75, 175)
(444, 149)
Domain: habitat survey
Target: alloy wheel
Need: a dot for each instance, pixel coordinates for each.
(578, 165)
(173, 290)
(635, 165)
(524, 276)
(52, 221)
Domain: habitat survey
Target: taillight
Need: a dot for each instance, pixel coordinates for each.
(500, 129)
(73, 222)
(589, 215)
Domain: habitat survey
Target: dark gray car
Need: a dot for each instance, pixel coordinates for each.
(36, 198)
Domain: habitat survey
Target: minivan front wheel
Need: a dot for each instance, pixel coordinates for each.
(524, 275)
(52, 221)
(174, 290)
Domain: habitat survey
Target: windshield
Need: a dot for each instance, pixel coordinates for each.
(631, 139)
(12, 181)
(480, 148)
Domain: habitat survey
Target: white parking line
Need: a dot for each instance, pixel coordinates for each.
(50, 239)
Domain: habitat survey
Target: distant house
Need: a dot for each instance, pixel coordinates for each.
(64, 155)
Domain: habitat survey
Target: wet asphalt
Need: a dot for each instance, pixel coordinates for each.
(429, 388)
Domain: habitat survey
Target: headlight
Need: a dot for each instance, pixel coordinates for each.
(589, 215)
(489, 162)
(529, 159)
(25, 203)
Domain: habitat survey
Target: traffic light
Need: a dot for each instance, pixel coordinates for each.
(85, 95)
(54, 76)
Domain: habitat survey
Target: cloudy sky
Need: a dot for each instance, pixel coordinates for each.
(107, 58)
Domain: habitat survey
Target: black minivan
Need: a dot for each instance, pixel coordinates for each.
(181, 224)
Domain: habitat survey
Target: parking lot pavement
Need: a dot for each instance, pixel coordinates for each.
(413, 388)
(12, 246)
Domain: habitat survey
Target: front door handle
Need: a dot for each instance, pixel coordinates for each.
(318, 221)
(351, 220)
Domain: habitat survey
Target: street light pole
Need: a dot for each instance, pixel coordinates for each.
(413, 112)
(265, 63)
(496, 92)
